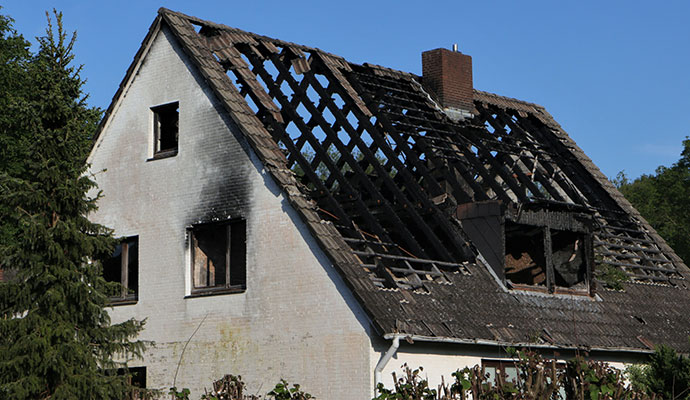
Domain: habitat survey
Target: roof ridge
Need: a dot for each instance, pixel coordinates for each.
(388, 70)
(508, 98)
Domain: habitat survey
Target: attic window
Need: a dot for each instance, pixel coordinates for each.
(166, 122)
(541, 257)
(218, 257)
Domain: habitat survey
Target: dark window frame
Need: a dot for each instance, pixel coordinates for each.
(232, 276)
(129, 293)
(550, 285)
(543, 232)
(166, 123)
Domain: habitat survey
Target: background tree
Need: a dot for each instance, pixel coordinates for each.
(56, 339)
(667, 374)
(663, 199)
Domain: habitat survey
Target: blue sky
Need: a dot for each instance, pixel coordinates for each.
(615, 74)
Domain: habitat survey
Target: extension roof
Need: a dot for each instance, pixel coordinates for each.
(377, 171)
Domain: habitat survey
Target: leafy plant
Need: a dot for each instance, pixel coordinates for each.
(409, 386)
(283, 391)
(179, 394)
(611, 276)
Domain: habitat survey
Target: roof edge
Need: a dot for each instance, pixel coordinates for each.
(499, 343)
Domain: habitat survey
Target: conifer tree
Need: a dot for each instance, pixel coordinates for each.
(56, 338)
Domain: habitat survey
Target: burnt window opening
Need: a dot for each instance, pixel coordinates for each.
(525, 259)
(536, 247)
(123, 267)
(569, 258)
(218, 257)
(539, 256)
(166, 122)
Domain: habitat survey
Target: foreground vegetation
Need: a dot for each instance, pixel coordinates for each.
(666, 376)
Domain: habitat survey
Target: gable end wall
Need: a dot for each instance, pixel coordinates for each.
(297, 320)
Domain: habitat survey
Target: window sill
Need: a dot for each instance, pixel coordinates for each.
(163, 154)
(119, 301)
(542, 289)
(216, 291)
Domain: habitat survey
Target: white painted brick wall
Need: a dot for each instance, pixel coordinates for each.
(297, 320)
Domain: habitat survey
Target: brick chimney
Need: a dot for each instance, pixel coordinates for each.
(449, 75)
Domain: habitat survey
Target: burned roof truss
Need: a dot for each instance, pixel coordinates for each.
(387, 167)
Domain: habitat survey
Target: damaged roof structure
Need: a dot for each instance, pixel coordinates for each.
(451, 213)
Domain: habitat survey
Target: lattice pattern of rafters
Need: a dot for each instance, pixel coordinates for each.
(387, 167)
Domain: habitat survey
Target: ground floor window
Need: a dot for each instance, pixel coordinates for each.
(123, 267)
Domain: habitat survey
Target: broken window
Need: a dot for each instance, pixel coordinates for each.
(123, 267)
(218, 253)
(568, 257)
(539, 256)
(166, 121)
(525, 259)
(533, 247)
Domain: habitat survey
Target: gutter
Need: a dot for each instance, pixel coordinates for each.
(385, 359)
(486, 342)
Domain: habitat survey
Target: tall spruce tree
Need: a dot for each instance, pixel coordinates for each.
(56, 338)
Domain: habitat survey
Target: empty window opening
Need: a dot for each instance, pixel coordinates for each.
(569, 258)
(525, 261)
(219, 256)
(541, 257)
(123, 267)
(166, 122)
